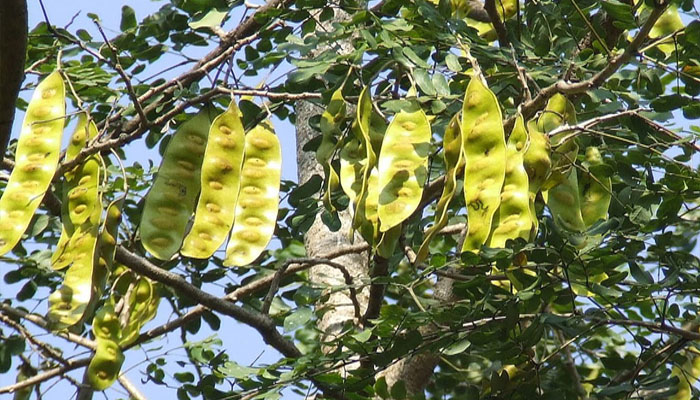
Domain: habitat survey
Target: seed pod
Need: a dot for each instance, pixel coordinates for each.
(105, 365)
(565, 205)
(105, 323)
(36, 160)
(143, 304)
(537, 163)
(71, 210)
(558, 111)
(171, 200)
(595, 188)
(258, 199)
(452, 153)
(331, 120)
(513, 219)
(25, 372)
(484, 148)
(362, 132)
(69, 303)
(221, 174)
(352, 164)
(403, 167)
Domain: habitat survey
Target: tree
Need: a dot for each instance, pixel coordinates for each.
(564, 265)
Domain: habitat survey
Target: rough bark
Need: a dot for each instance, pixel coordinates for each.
(338, 308)
(13, 49)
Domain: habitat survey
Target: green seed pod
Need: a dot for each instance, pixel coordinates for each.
(36, 160)
(595, 188)
(538, 165)
(71, 210)
(25, 372)
(105, 365)
(105, 323)
(403, 167)
(258, 199)
(565, 205)
(485, 161)
(452, 153)
(69, 303)
(171, 200)
(143, 305)
(221, 175)
(366, 213)
(559, 110)
(512, 219)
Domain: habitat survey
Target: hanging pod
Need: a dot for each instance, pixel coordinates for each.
(258, 199)
(36, 160)
(69, 303)
(171, 200)
(538, 163)
(220, 179)
(330, 125)
(403, 167)
(484, 148)
(512, 218)
(79, 190)
(595, 188)
(452, 153)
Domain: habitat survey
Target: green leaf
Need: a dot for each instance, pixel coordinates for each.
(639, 274)
(622, 13)
(297, 319)
(209, 20)
(453, 63)
(128, 19)
(423, 80)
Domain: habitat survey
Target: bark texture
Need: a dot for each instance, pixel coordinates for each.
(13, 49)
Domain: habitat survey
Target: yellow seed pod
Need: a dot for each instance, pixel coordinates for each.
(36, 160)
(352, 164)
(79, 189)
(538, 163)
(221, 174)
(452, 153)
(171, 200)
(143, 306)
(403, 167)
(669, 22)
(595, 188)
(366, 215)
(69, 303)
(258, 199)
(362, 131)
(687, 375)
(331, 120)
(105, 365)
(513, 219)
(484, 148)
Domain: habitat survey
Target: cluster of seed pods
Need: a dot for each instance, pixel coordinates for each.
(133, 302)
(83, 205)
(171, 200)
(220, 178)
(36, 160)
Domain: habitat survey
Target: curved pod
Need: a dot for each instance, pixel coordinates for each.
(171, 200)
(36, 160)
(452, 153)
(484, 147)
(220, 178)
(105, 365)
(403, 167)
(258, 199)
(538, 164)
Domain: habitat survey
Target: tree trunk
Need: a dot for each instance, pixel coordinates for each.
(13, 48)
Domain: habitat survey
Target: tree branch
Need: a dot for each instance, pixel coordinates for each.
(498, 26)
(13, 49)
(531, 107)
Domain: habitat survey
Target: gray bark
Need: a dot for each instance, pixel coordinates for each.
(13, 49)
